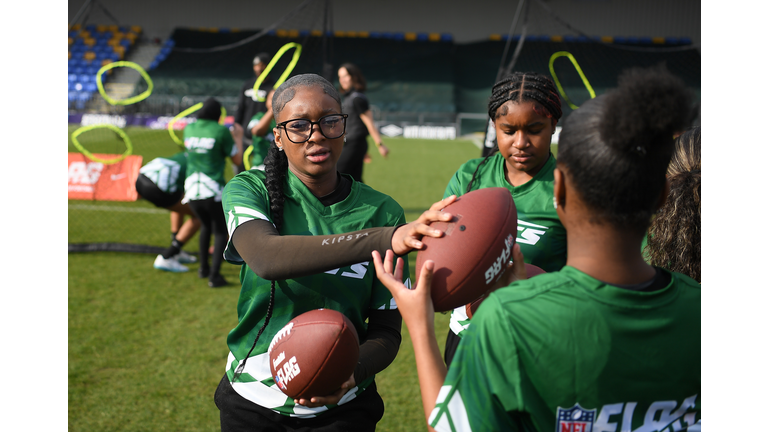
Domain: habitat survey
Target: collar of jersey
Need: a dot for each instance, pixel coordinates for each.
(300, 192)
(544, 175)
(613, 295)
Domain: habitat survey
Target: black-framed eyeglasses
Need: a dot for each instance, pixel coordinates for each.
(331, 126)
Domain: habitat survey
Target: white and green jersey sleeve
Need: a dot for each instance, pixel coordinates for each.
(353, 290)
(540, 233)
(208, 145)
(167, 173)
(566, 352)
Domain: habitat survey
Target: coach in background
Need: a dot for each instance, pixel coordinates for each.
(251, 102)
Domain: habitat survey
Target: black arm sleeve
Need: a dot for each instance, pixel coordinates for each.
(382, 344)
(273, 256)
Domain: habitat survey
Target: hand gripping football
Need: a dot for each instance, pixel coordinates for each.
(476, 247)
(314, 354)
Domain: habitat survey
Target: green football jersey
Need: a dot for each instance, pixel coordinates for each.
(167, 173)
(259, 145)
(566, 352)
(208, 145)
(540, 233)
(352, 290)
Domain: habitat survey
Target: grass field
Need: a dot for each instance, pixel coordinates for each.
(147, 348)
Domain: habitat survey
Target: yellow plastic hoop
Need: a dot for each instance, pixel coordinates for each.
(247, 158)
(578, 69)
(284, 76)
(187, 112)
(89, 155)
(129, 100)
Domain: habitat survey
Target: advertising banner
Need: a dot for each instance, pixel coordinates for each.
(97, 181)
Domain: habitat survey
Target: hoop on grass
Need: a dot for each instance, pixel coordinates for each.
(284, 76)
(89, 155)
(129, 100)
(578, 69)
(185, 113)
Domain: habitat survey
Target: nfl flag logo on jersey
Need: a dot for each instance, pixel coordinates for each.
(575, 419)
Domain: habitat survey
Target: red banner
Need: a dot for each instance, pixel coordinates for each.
(96, 181)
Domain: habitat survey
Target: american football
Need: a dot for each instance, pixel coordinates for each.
(476, 246)
(531, 271)
(314, 353)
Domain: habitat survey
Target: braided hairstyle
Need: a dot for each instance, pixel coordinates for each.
(674, 237)
(276, 170)
(521, 87)
(616, 147)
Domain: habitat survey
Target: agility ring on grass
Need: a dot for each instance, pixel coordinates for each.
(89, 155)
(578, 69)
(284, 76)
(185, 113)
(130, 100)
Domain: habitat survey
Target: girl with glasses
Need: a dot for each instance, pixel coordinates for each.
(303, 234)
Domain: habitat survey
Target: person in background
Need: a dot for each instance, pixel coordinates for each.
(525, 109)
(607, 343)
(208, 145)
(674, 238)
(161, 182)
(261, 126)
(251, 102)
(360, 122)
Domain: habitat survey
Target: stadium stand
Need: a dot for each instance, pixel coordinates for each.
(91, 47)
(410, 75)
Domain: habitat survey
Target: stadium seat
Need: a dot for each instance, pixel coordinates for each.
(82, 99)
(91, 87)
(72, 77)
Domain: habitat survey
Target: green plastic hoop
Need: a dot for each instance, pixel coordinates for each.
(129, 100)
(89, 155)
(185, 113)
(578, 69)
(284, 76)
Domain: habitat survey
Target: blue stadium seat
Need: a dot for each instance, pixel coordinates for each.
(91, 87)
(72, 77)
(82, 99)
(84, 78)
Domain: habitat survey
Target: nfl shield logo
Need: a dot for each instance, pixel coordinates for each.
(575, 419)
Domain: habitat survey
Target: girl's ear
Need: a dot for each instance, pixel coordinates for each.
(559, 198)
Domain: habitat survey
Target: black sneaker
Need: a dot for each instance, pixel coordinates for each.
(203, 272)
(217, 281)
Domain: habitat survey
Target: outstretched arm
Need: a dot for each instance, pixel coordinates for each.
(367, 118)
(272, 256)
(418, 312)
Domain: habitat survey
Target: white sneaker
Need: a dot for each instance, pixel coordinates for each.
(185, 258)
(169, 264)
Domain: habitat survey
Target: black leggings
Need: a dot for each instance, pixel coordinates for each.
(351, 159)
(239, 414)
(211, 215)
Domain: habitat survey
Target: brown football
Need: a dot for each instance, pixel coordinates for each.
(530, 270)
(475, 248)
(314, 354)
